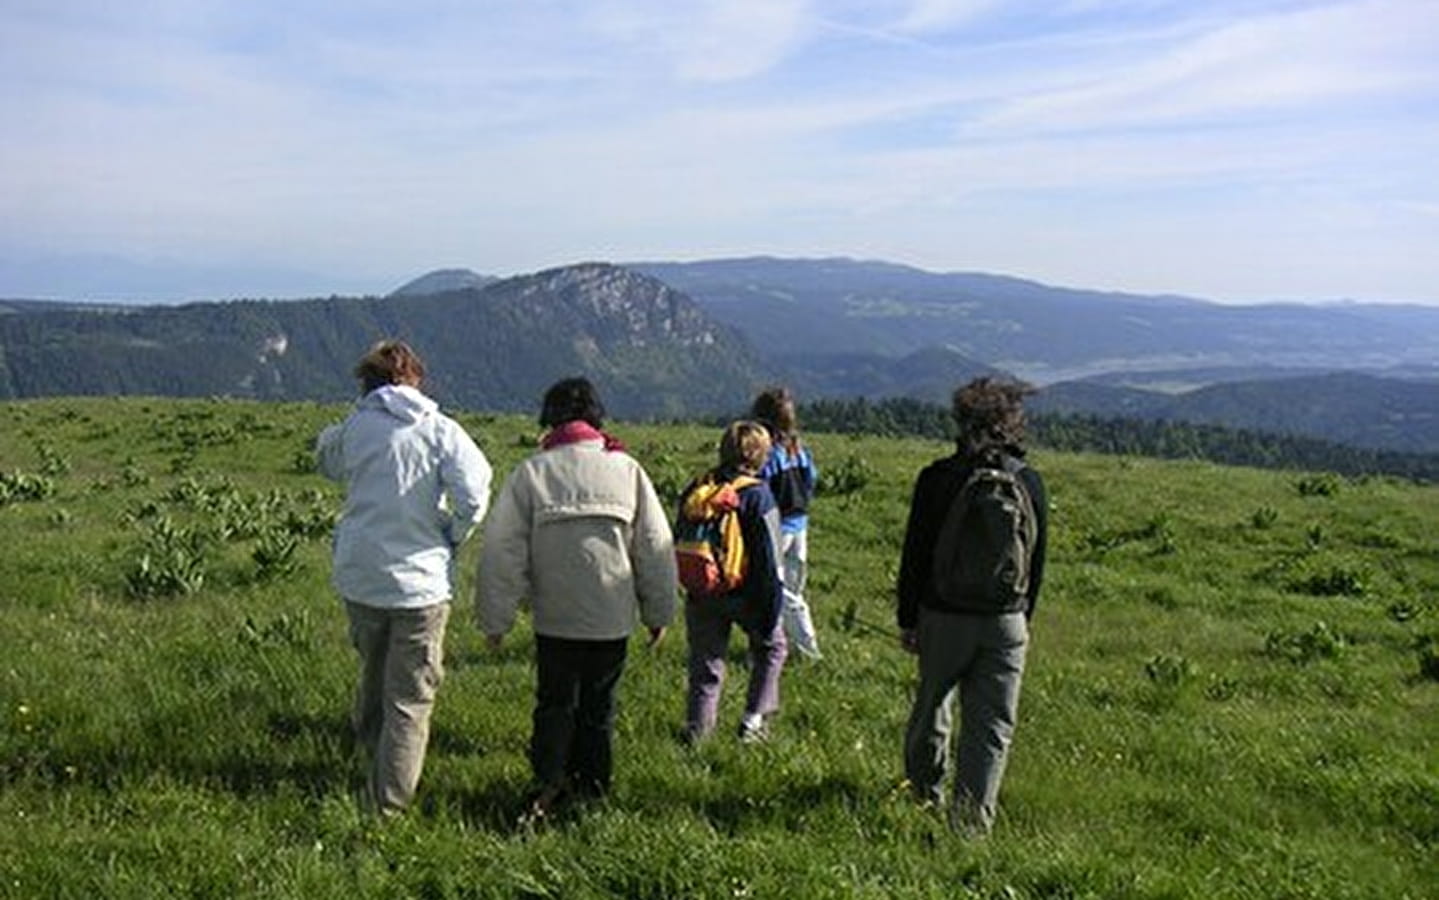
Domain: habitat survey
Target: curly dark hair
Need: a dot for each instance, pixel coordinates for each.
(989, 416)
(569, 400)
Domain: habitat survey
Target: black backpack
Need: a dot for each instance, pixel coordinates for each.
(791, 494)
(790, 486)
(983, 552)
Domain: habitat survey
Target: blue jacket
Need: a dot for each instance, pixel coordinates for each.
(774, 472)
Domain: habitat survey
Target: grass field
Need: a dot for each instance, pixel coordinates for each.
(1233, 690)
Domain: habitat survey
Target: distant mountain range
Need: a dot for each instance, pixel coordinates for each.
(492, 347)
(1036, 331)
(679, 339)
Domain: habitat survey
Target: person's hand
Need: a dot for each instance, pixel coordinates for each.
(494, 640)
(909, 640)
(657, 634)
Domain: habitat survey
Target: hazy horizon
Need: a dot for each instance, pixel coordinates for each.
(142, 297)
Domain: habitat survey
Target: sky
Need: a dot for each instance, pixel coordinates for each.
(1234, 150)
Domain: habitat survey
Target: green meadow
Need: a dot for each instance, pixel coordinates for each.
(1233, 690)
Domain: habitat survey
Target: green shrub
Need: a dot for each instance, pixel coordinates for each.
(314, 521)
(851, 476)
(1336, 581)
(1402, 611)
(131, 475)
(284, 630)
(170, 562)
(1264, 517)
(18, 487)
(1319, 642)
(274, 555)
(304, 461)
(1324, 484)
(1169, 671)
(1427, 646)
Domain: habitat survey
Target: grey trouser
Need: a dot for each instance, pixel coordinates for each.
(401, 665)
(707, 625)
(980, 658)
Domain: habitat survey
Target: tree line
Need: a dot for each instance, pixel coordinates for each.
(904, 416)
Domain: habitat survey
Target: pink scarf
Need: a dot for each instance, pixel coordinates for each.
(578, 430)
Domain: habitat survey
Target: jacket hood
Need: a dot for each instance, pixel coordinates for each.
(401, 401)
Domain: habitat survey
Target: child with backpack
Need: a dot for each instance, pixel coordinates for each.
(791, 473)
(726, 540)
(969, 579)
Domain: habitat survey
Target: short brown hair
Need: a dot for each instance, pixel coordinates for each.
(744, 446)
(389, 362)
(989, 416)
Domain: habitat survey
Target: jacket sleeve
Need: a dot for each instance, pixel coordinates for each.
(504, 578)
(652, 554)
(466, 476)
(329, 452)
(1040, 501)
(764, 587)
(917, 558)
(771, 466)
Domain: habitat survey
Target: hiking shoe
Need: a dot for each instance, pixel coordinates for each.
(757, 733)
(542, 805)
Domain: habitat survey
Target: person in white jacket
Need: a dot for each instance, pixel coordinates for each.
(578, 531)
(415, 487)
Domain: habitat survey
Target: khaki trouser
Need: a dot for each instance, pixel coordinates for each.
(401, 666)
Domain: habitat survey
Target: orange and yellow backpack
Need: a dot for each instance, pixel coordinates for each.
(709, 544)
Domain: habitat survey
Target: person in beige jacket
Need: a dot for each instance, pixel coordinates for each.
(578, 531)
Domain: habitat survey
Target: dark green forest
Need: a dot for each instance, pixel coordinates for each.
(903, 416)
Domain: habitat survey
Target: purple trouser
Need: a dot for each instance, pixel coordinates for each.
(707, 624)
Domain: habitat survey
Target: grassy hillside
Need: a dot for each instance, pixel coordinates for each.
(1229, 695)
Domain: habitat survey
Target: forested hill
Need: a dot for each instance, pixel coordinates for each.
(494, 346)
(1347, 408)
(1041, 332)
(1131, 436)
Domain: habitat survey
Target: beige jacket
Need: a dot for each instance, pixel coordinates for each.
(577, 531)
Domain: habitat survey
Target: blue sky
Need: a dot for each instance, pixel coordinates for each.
(1238, 150)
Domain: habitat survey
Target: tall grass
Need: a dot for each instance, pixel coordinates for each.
(1228, 693)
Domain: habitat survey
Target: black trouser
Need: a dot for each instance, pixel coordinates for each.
(575, 711)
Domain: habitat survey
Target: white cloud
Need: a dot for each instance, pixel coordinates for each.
(1313, 57)
(710, 40)
(939, 15)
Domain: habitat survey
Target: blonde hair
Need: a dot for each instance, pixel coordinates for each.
(389, 362)
(745, 446)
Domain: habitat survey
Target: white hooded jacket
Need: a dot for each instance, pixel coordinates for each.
(415, 487)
